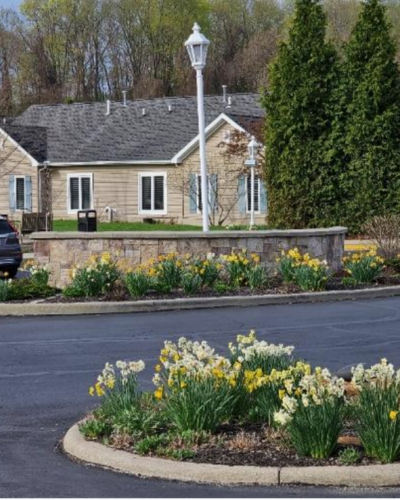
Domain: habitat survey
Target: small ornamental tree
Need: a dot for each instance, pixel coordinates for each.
(298, 105)
(369, 120)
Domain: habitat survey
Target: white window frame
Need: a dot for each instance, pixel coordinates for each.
(152, 211)
(248, 208)
(79, 176)
(15, 194)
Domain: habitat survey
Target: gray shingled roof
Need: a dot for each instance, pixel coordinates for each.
(32, 139)
(83, 132)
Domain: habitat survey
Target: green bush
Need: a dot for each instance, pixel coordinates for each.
(26, 288)
(349, 456)
(95, 429)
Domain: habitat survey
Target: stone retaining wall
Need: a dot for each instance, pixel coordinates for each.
(61, 251)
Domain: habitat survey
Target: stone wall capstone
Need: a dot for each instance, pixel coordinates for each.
(60, 252)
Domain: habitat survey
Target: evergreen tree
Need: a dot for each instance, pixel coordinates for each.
(368, 125)
(298, 106)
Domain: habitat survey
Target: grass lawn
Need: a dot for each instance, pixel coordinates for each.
(72, 225)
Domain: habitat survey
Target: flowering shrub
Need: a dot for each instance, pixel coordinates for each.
(312, 413)
(195, 385)
(96, 277)
(377, 409)
(302, 270)
(39, 275)
(363, 267)
(5, 287)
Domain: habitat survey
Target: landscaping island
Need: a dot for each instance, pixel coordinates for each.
(255, 416)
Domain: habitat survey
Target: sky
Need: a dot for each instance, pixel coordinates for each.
(9, 3)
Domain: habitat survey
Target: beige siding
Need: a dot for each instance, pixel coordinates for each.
(227, 170)
(14, 162)
(117, 186)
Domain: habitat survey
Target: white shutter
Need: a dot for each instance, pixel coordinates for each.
(86, 193)
(158, 192)
(146, 193)
(74, 193)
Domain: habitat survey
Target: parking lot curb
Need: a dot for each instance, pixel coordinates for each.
(42, 308)
(96, 454)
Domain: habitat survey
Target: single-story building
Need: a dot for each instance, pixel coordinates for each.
(131, 160)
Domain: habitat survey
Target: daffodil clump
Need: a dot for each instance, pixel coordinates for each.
(193, 273)
(238, 265)
(377, 410)
(363, 267)
(40, 275)
(195, 385)
(118, 386)
(312, 412)
(309, 274)
(95, 277)
(267, 389)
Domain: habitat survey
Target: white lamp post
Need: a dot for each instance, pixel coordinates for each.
(253, 148)
(197, 46)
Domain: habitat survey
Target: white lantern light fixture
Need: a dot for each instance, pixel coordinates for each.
(197, 46)
(253, 148)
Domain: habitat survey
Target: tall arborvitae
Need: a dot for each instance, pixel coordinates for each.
(370, 120)
(298, 106)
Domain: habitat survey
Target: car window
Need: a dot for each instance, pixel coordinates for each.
(5, 227)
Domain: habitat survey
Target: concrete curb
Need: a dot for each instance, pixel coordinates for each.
(121, 461)
(40, 308)
(96, 454)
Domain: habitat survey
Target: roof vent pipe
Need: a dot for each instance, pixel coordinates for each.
(108, 112)
(124, 98)
(144, 112)
(229, 102)
(224, 93)
(169, 108)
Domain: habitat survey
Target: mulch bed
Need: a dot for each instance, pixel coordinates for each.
(254, 445)
(276, 287)
(263, 447)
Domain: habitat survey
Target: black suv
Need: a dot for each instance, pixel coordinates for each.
(10, 249)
